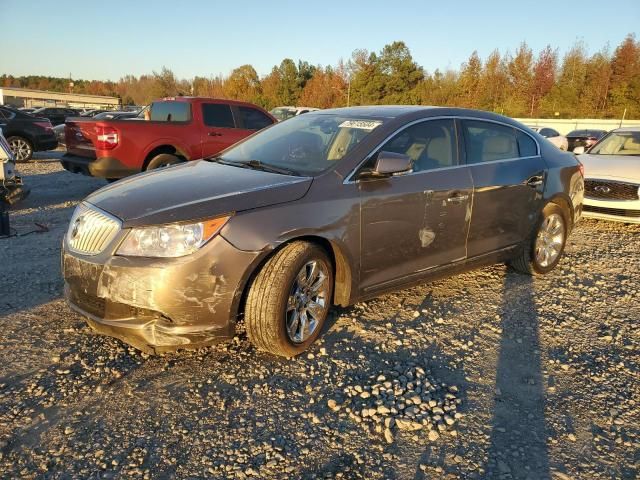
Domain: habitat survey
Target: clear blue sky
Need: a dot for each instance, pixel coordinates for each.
(105, 39)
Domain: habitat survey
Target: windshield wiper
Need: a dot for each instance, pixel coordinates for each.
(252, 164)
(265, 167)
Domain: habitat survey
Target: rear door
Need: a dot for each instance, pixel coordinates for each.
(416, 221)
(508, 176)
(219, 129)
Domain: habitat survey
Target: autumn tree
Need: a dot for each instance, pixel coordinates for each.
(243, 84)
(625, 78)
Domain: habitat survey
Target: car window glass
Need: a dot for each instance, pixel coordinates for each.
(170, 111)
(253, 119)
(217, 115)
(430, 144)
(307, 144)
(487, 142)
(526, 145)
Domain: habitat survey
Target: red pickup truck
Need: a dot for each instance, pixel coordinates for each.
(169, 131)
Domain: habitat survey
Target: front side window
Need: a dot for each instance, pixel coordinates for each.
(430, 144)
(488, 142)
(307, 144)
(253, 119)
(618, 143)
(217, 115)
(170, 111)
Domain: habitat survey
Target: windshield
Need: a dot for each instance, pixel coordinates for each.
(618, 143)
(307, 144)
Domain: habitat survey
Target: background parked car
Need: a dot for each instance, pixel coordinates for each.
(283, 113)
(27, 109)
(553, 136)
(584, 138)
(180, 129)
(26, 134)
(612, 176)
(57, 115)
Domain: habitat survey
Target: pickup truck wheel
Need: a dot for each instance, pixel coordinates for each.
(21, 148)
(163, 160)
(543, 250)
(289, 300)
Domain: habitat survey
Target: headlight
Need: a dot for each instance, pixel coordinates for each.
(173, 240)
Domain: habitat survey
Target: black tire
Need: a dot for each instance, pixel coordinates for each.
(528, 261)
(266, 311)
(21, 148)
(163, 160)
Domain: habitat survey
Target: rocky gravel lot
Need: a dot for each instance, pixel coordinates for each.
(489, 374)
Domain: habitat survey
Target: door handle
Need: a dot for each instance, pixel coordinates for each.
(214, 134)
(457, 198)
(535, 180)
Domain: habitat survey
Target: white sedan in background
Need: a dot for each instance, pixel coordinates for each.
(553, 136)
(612, 176)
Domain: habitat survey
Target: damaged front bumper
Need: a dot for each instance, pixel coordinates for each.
(160, 304)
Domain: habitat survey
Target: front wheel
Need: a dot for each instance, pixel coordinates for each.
(543, 250)
(289, 300)
(21, 148)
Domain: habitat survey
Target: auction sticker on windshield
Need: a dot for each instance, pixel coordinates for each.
(361, 124)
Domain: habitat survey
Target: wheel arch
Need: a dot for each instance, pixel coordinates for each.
(564, 202)
(164, 148)
(342, 281)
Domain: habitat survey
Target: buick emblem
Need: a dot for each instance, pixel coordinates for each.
(602, 189)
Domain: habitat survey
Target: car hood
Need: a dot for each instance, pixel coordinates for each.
(618, 167)
(195, 190)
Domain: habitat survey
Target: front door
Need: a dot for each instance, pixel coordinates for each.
(508, 176)
(413, 222)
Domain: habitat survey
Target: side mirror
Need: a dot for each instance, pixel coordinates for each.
(578, 150)
(387, 164)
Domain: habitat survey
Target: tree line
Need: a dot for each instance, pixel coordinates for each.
(519, 84)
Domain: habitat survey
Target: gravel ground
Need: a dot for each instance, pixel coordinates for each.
(489, 374)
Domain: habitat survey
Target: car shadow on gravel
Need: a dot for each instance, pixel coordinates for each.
(518, 439)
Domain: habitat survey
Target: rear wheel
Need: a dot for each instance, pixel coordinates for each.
(163, 160)
(543, 250)
(289, 300)
(21, 148)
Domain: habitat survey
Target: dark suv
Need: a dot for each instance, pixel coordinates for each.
(26, 134)
(328, 208)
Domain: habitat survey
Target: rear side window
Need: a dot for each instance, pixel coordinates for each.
(488, 142)
(170, 111)
(526, 145)
(253, 119)
(217, 115)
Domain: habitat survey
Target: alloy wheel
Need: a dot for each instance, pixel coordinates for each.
(550, 240)
(307, 302)
(20, 148)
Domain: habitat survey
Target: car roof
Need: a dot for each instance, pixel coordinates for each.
(413, 112)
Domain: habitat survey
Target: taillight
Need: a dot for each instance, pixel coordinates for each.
(46, 125)
(106, 137)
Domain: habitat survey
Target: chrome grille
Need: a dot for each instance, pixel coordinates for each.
(610, 190)
(90, 230)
